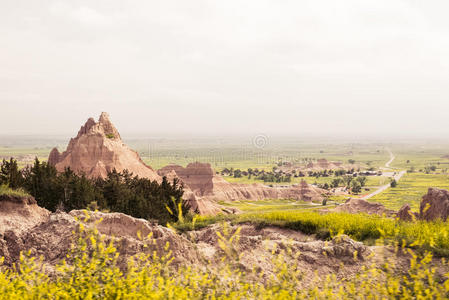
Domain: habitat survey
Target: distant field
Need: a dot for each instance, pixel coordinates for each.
(410, 189)
(24, 156)
(220, 153)
(420, 156)
(40, 152)
(246, 155)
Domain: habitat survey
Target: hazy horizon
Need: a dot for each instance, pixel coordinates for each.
(356, 69)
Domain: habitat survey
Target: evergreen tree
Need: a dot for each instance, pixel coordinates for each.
(10, 174)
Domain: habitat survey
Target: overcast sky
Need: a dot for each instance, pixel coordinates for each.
(214, 67)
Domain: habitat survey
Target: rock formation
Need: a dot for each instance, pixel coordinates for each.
(354, 205)
(20, 213)
(51, 236)
(201, 182)
(405, 213)
(434, 205)
(99, 149)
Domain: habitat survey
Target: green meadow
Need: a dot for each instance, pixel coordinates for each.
(410, 189)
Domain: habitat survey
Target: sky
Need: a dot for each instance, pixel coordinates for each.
(351, 68)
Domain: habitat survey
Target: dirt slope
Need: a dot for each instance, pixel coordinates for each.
(20, 213)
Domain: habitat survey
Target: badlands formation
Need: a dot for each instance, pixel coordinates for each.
(98, 149)
(434, 205)
(49, 236)
(354, 206)
(203, 183)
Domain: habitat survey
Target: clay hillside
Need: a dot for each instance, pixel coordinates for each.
(99, 149)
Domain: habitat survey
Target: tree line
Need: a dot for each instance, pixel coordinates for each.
(118, 192)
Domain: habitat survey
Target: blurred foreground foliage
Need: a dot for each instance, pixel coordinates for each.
(91, 271)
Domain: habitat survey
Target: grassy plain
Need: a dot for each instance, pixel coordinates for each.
(24, 155)
(245, 155)
(420, 155)
(410, 189)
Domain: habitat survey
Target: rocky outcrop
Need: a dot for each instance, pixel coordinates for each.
(257, 247)
(98, 149)
(54, 157)
(53, 238)
(201, 182)
(434, 205)
(19, 213)
(226, 191)
(405, 213)
(197, 176)
(354, 205)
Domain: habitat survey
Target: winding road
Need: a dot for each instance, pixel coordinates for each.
(396, 176)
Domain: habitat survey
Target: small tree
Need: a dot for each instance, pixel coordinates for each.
(10, 174)
(393, 183)
(347, 179)
(336, 182)
(362, 180)
(356, 187)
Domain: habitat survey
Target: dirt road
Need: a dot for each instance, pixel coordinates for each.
(392, 157)
(396, 176)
